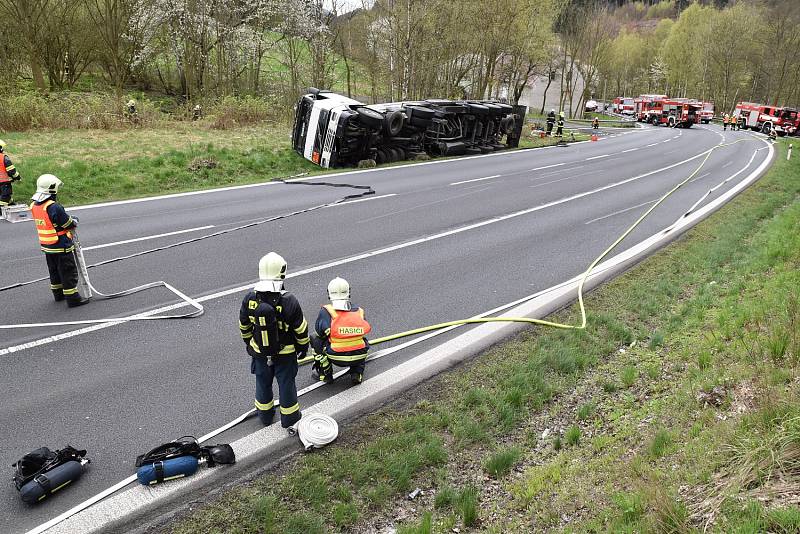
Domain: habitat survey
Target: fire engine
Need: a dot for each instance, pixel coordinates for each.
(707, 113)
(641, 105)
(673, 112)
(764, 118)
(623, 105)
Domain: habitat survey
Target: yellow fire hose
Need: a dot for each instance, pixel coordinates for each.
(581, 283)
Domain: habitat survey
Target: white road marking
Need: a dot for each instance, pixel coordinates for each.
(424, 205)
(361, 200)
(145, 238)
(547, 166)
(476, 179)
(727, 165)
(651, 144)
(666, 140)
(358, 257)
(629, 150)
(619, 212)
(597, 157)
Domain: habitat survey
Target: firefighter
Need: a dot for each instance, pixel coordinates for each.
(275, 333)
(551, 121)
(560, 130)
(725, 120)
(339, 339)
(197, 112)
(8, 174)
(130, 111)
(53, 225)
(773, 134)
(596, 123)
(734, 122)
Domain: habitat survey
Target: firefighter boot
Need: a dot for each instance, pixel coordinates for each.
(58, 295)
(322, 374)
(357, 378)
(76, 300)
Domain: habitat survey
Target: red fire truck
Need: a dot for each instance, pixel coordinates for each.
(623, 105)
(764, 118)
(641, 105)
(674, 112)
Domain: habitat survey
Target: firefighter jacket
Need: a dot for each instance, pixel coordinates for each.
(342, 333)
(53, 225)
(8, 172)
(551, 118)
(292, 325)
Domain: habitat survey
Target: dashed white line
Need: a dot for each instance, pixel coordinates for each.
(629, 150)
(619, 212)
(651, 144)
(727, 165)
(547, 167)
(476, 179)
(361, 200)
(597, 157)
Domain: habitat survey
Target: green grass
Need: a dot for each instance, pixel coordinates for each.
(642, 459)
(500, 462)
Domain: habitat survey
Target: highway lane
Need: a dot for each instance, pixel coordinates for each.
(119, 390)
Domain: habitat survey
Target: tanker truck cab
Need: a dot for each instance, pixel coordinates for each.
(318, 125)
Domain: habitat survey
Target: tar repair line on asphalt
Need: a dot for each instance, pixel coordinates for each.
(100, 324)
(380, 388)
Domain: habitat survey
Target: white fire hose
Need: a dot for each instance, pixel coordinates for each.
(315, 430)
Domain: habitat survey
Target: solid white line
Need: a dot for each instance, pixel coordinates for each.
(358, 257)
(597, 157)
(145, 238)
(629, 150)
(476, 179)
(619, 212)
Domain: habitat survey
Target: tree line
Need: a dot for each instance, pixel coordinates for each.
(196, 50)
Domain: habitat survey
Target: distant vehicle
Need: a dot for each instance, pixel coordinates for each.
(673, 112)
(640, 105)
(591, 105)
(333, 130)
(623, 105)
(764, 118)
(707, 113)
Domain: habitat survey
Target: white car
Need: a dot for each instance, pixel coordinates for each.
(591, 105)
(333, 130)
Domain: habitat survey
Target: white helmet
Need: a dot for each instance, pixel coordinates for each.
(46, 185)
(339, 293)
(2, 145)
(271, 273)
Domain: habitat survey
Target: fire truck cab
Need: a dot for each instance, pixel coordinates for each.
(623, 105)
(674, 112)
(642, 105)
(707, 113)
(763, 118)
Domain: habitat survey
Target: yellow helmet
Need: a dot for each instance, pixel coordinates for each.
(2, 145)
(271, 273)
(339, 293)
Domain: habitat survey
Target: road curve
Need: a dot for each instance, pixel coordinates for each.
(437, 241)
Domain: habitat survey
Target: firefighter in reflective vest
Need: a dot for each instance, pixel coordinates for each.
(8, 174)
(725, 120)
(551, 121)
(596, 123)
(53, 226)
(560, 129)
(340, 335)
(269, 311)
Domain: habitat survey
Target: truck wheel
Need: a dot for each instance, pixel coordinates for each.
(393, 123)
(380, 157)
(766, 128)
(370, 118)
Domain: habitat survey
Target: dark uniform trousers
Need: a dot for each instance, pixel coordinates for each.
(63, 274)
(284, 370)
(326, 359)
(6, 192)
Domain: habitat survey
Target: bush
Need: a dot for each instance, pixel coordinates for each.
(230, 112)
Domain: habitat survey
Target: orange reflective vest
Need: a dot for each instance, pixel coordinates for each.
(348, 329)
(48, 235)
(3, 173)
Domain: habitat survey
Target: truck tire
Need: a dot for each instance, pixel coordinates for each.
(370, 118)
(478, 109)
(420, 114)
(766, 128)
(393, 123)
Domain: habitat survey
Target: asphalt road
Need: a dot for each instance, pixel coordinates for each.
(438, 241)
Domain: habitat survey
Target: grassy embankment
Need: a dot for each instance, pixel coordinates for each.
(101, 165)
(677, 407)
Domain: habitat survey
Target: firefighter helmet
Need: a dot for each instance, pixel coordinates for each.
(46, 185)
(2, 146)
(339, 293)
(271, 273)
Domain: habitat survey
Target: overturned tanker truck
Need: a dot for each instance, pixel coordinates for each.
(332, 130)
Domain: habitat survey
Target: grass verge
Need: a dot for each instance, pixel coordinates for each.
(104, 165)
(554, 431)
